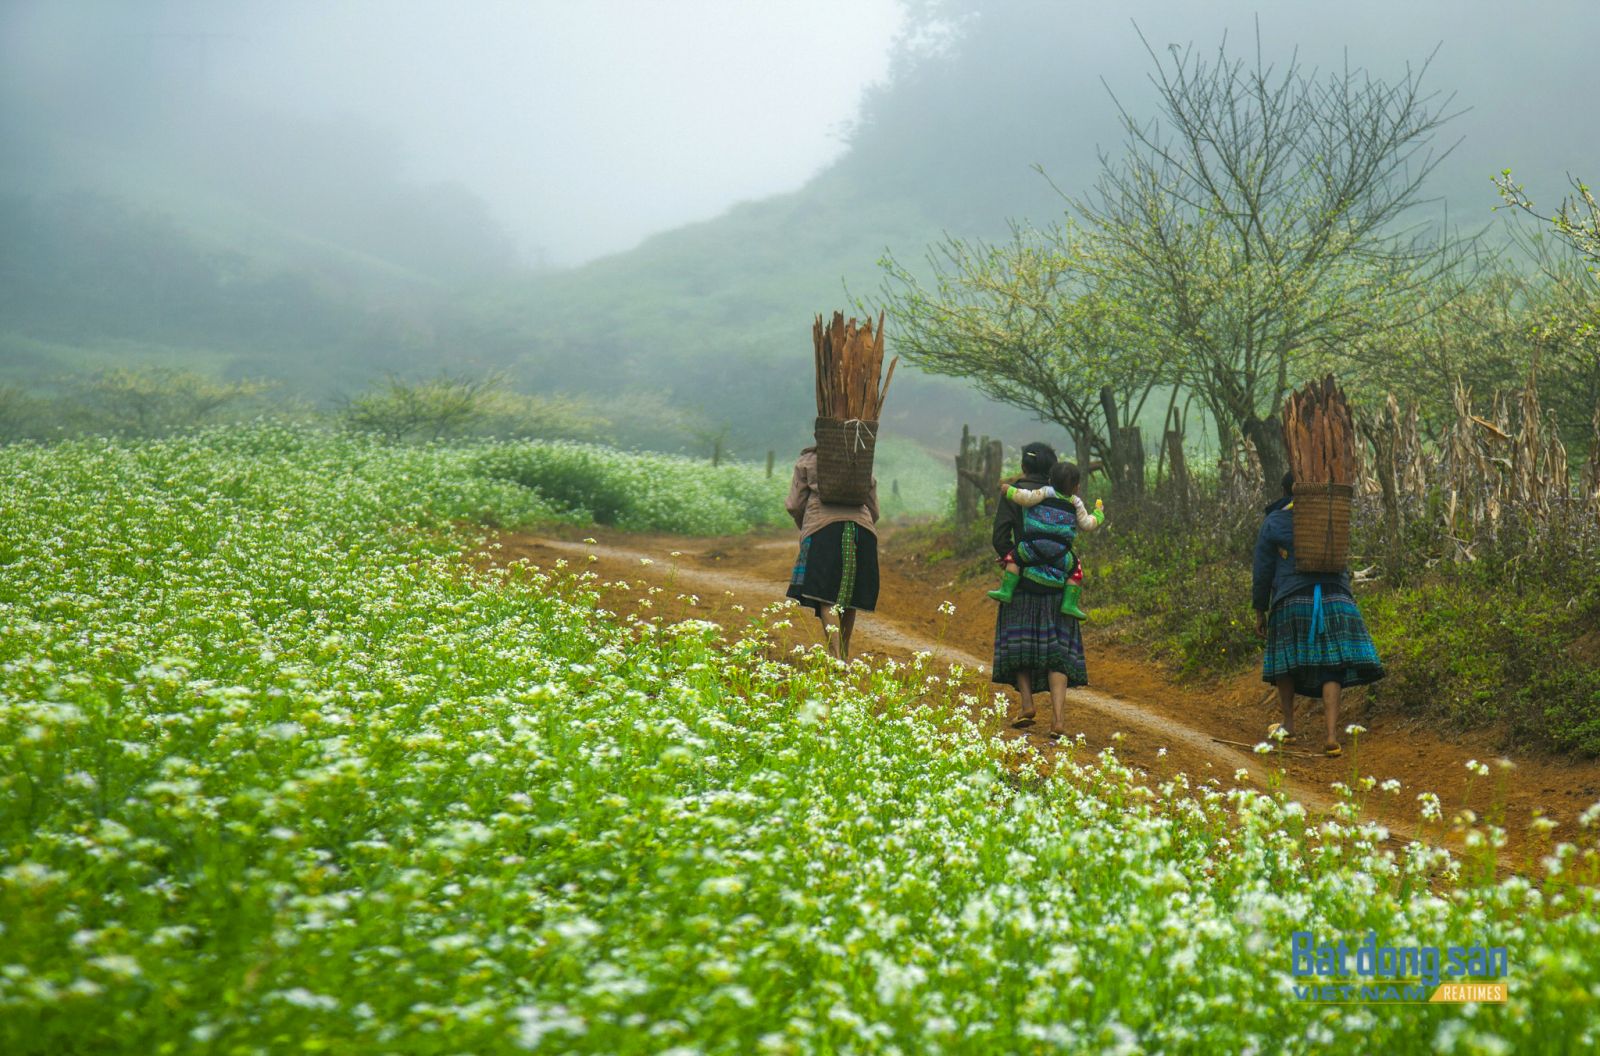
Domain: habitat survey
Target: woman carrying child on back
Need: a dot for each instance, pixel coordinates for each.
(1038, 636)
(1049, 540)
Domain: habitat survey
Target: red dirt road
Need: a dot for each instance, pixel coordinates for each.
(1155, 724)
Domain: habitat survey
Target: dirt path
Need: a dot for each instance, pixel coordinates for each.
(1155, 725)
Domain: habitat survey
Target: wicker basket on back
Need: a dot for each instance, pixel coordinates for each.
(1322, 527)
(1320, 436)
(844, 459)
(849, 400)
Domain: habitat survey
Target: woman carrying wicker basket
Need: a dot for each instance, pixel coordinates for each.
(1036, 644)
(837, 570)
(1317, 642)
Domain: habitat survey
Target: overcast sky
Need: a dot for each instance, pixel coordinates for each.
(589, 124)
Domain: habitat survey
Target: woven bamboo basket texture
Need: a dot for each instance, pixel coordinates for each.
(844, 459)
(1322, 527)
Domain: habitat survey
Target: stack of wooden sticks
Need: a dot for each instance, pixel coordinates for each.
(1320, 434)
(849, 360)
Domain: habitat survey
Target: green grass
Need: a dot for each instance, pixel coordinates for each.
(279, 772)
(650, 492)
(643, 491)
(1467, 645)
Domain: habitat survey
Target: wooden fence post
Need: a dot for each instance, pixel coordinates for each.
(966, 497)
(770, 456)
(1131, 451)
(994, 457)
(1180, 469)
(978, 467)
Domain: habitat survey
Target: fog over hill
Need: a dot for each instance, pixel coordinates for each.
(317, 193)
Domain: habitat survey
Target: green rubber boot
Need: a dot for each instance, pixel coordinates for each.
(1069, 601)
(1008, 586)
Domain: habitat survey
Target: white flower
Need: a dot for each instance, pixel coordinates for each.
(120, 965)
(722, 885)
(535, 1021)
(577, 930)
(300, 997)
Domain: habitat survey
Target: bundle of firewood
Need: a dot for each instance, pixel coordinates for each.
(1320, 434)
(849, 359)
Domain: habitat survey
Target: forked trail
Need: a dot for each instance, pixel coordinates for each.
(1155, 725)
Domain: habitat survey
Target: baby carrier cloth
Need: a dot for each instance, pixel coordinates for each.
(1044, 552)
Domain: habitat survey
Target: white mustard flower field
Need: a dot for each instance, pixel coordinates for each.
(281, 771)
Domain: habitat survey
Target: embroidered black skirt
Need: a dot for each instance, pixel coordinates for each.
(838, 565)
(1032, 636)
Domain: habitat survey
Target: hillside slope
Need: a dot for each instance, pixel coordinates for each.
(718, 314)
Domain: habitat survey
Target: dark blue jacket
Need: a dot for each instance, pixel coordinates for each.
(1274, 577)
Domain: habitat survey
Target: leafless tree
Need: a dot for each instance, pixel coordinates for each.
(1267, 213)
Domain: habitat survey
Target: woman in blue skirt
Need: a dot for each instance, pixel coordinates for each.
(1317, 642)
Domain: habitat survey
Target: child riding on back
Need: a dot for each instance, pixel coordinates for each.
(1044, 554)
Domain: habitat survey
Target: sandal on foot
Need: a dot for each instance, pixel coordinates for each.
(1022, 723)
(1055, 738)
(1289, 736)
(1333, 751)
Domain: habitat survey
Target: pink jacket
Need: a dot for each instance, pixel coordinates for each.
(810, 513)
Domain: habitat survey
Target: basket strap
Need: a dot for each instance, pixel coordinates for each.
(859, 444)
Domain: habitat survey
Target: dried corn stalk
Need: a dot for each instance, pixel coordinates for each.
(1412, 468)
(1525, 454)
(1485, 470)
(1471, 504)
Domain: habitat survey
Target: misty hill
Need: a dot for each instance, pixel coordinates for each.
(718, 313)
(161, 225)
(222, 237)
